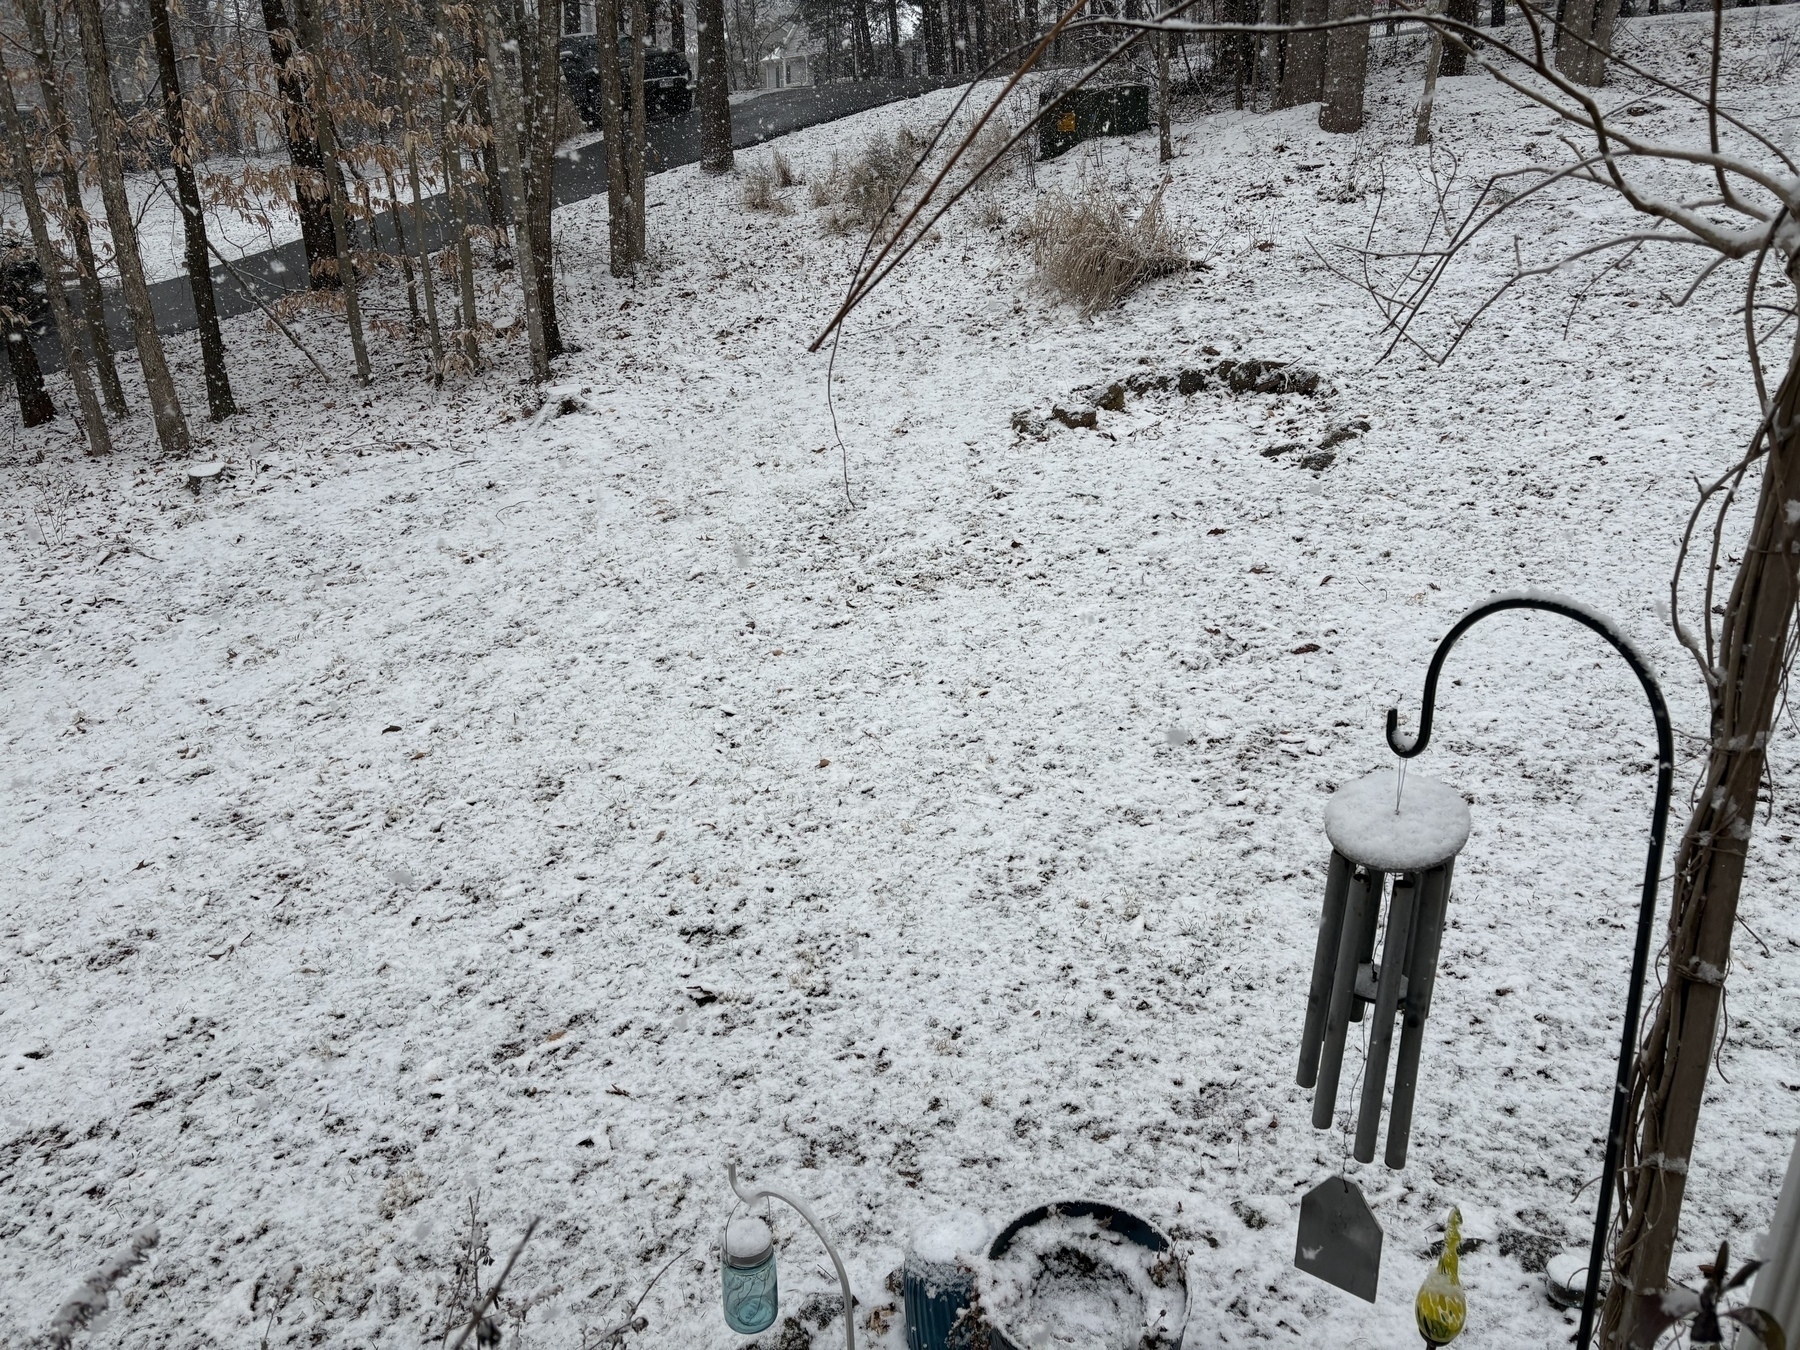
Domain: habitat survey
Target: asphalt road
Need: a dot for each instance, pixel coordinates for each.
(579, 175)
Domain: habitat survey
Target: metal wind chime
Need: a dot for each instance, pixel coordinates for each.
(1397, 838)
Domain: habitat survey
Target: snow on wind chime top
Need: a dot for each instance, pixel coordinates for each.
(1396, 826)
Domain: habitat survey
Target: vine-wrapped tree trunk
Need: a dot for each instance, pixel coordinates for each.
(1756, 630)
(714, 86)
(193, 220)
(75, 216)
(303, 151)
(69, 320)
(35, 405)
(103, 113)
(1346, 70)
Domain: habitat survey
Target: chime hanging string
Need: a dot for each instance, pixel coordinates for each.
(1399, 785)
(1355, 1095)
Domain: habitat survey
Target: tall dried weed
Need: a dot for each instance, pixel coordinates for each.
(1092, 250)
(760, 184)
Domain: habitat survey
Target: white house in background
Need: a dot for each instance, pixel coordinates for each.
(788, 57)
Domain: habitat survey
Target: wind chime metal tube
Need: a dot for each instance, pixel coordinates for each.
(1421, 976)
(1387, 1003)
(1360, 910)
(1371, 881)
(1318, 996)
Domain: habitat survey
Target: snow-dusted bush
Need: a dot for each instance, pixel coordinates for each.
(760, 190)
(860, 192)
(1093, 251)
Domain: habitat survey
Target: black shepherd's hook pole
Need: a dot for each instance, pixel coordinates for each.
(1659, 821)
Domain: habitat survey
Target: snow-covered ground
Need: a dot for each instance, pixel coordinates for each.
(255, 218)
(464, 803)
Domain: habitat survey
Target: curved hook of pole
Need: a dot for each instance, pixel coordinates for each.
(799, 1206)
(1552, 603)
(1659, 821)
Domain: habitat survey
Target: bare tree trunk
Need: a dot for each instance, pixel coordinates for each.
(1346, 70)
(1273, 50)
(893, 27)
(303, 150)
(459, 206)
(1303, 79)
(714, 87)
(613, 137)
(69, 321)
(507, 123)
(1456, 54)
(538, 57)
(410, 143)
(182, 151)
(406, 257)
(165, 404)
(1605, 20)
(35, 405)
(493, 196)
(75, 223)
(1165, 141)
(1578, 23)
(678, 26)
(312, 46)
(1670, 1085)
(429, 281)
(1434, 54)
(640, 22)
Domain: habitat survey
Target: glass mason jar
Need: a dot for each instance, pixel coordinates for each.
(747, 1268)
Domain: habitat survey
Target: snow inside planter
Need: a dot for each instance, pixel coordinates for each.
(1083, 1276)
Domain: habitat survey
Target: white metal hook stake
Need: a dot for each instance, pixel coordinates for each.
(750, 1197)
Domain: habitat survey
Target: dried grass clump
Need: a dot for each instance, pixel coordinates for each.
(760, 183)
(782, 171)
(861, 192)
(1091, 251)
(991, 141)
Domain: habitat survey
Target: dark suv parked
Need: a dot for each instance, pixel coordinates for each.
(668, 82)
